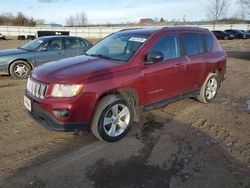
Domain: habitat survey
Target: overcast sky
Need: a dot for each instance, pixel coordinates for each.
(111, 11)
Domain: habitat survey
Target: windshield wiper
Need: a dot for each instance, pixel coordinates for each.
(99, 55)
(104, 57)
(24, 49)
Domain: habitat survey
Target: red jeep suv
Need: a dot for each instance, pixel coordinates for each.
(124, 74)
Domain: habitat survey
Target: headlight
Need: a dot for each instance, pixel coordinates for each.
(64, 90)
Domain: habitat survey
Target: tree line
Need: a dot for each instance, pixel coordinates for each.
(18, 20)
(216, 11)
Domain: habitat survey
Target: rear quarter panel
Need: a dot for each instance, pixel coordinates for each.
(215, 61)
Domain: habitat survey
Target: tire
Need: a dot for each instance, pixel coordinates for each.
(20, 69)
(30, 37)
(112, 131)
(209, 88)
(20, 37)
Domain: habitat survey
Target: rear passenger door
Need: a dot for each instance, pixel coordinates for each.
(74, 47)
(194, 48)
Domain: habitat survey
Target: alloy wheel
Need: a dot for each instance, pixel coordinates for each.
(116, 120)
(211, 89)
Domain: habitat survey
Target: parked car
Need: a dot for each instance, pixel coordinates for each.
(125, 73)
(246, 33)
(19, 62)
(2, 37)
(238, 33)
(222, 35)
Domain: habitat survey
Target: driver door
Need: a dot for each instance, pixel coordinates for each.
(51, 50)
(164, 79)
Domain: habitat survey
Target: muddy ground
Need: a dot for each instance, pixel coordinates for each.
(186, 144)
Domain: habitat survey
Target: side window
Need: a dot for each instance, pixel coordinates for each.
(81, 43)
(67, 43)
(193, 43)
(208, 42)
(44, 47)
(201, 43)
(74, 43)
(168, 45)
(56, 44)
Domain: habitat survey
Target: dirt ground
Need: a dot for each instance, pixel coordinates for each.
(185, 144)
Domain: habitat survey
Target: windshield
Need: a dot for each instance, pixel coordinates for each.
(118, 46)
(33, 44)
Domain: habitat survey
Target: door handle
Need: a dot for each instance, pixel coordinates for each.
(177, 65)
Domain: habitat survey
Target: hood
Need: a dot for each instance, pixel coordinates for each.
(74, 70)
(12, 51)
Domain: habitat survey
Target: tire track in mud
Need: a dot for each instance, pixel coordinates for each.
(5, 103)
(16, 116)
(7, 85)
(215, 134)
(11, 101)
(138, 172)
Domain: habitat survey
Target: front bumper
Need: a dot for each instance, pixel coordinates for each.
(47, 120)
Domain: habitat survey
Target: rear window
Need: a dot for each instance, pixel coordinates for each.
(208, 42)
(193, 43)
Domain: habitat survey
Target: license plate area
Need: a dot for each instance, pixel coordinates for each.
(27, 103)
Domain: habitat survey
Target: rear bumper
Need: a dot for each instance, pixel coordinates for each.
(45, 119)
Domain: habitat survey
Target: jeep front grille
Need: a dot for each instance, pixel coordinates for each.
(36, 88)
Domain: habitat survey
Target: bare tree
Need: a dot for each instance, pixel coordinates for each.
(162, 20)
(244, 8)
(78, 19)
(70, 21)
(40, 21)
(216, 9)
(81, 18)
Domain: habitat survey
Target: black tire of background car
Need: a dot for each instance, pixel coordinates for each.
(19, 62)
(20, 37)
(30, 37)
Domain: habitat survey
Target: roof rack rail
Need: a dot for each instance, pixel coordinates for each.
(129, 29)
(184, 27)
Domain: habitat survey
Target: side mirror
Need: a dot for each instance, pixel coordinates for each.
(42, 49)
(153, 57)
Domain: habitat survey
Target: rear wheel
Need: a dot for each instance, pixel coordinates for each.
(112, 119)
(20, 69)
(209, 89)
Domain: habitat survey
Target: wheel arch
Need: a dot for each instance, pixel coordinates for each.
(21, 59)
(219, 73)
(128, 94)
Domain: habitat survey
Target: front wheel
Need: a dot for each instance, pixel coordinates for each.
(20, 69)
(209, 89)
(112, 119)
